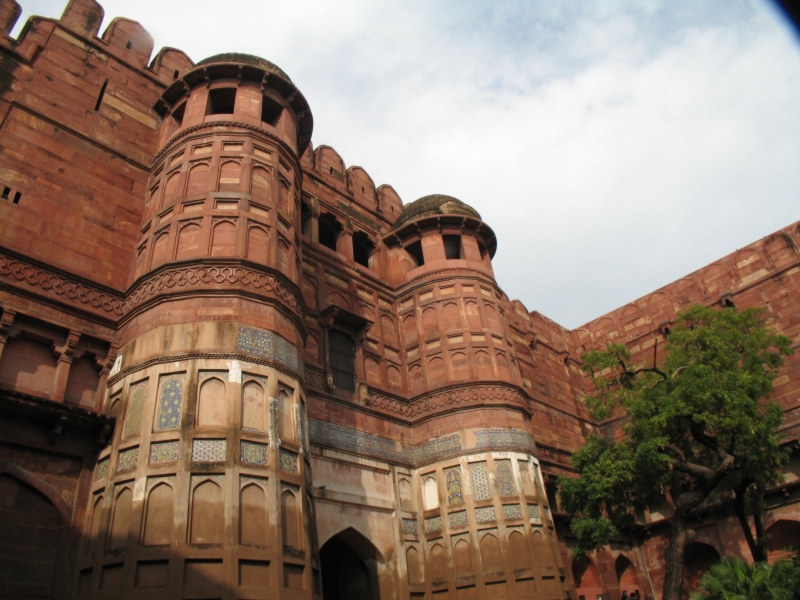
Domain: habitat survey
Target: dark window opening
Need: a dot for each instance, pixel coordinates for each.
(329, 230)
(337, 174)
(552, 495)
(666, 332)
(729, 303)
(100, 96)
(271, 110)
(128, 46)
(178, 113)
(6, 192)
(342, 352)
(452, 246)
(484, 250)
(17, 196)
(305, 219)
(221, 101)
(175, 74)
(414, 250)
(363, 247)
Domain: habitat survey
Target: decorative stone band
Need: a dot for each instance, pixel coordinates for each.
(47, 280)
(549, 454)
(419, 455)
(170, 280)
(443, 400)
(232, 276)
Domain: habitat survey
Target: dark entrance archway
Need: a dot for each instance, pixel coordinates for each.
(349, 567)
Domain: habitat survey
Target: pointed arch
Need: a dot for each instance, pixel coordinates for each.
(430, 494)
(207, 516)
(491, 556)
(290, 520)
(159, 516)
(254, 407)
(223, 238)
(413, 566)
(257, 244)
(462, 558)
(198, 179)
(520, 556)
(212, 406)
(253, 515)
(189, 241)
(121, 513)
(230, 175)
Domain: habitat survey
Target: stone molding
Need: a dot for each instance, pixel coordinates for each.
(170, 279)
(555, 455)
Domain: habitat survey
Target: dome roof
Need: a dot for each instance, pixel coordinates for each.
(435, 204)
(246, 59)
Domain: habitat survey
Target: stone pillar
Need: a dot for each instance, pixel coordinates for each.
(344, 245)
(65, 354)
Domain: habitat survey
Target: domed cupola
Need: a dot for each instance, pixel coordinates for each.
(436, 231)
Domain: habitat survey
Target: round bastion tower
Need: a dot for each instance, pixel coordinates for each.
(474, 516)
(205, 489)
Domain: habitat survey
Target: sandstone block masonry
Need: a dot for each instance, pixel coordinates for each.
(233, 367)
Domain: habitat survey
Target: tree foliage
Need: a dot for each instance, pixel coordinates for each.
(695, 423)
(736, 579)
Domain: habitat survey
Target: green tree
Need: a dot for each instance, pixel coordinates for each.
(695, 422)
(735, 579)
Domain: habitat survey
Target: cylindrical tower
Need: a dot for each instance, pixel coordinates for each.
(474, 516)
(205, 490)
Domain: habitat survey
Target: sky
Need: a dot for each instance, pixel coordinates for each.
(614, 146)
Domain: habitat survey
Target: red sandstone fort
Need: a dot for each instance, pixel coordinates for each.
(233, 367)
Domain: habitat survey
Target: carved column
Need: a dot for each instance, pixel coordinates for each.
(6, 319)
(65, 355)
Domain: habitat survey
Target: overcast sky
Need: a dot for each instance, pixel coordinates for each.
(612, 146)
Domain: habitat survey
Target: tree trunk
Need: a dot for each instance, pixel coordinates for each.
(755, 542)
(674, 555)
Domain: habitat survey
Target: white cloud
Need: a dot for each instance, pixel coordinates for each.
(613, 146)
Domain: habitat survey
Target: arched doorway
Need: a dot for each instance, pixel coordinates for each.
(699, 559)
(587, 578)
(349, 567)
(783, 535)
(626, 575)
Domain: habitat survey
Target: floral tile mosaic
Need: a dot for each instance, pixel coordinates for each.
(480, 481)
(208, 450)
(169, 404)
(102, 470)
(505, 438)
(410, 526)
(512, 511)
(534, 514)
(505, 479)
(453, 483)
(288, 461)
(436, 449)
(270, 346)
(251, 377)
(485, 514)
(128, 459)
(254, 454)
(458, 519)
(164, 451)
(433, 524)
(344, 438)
(138, 395)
